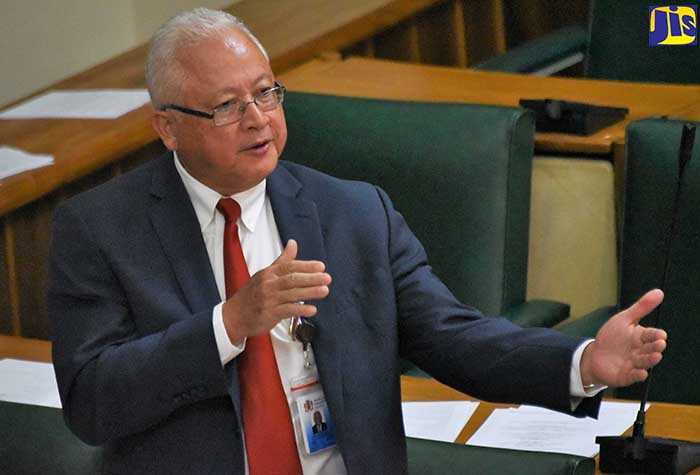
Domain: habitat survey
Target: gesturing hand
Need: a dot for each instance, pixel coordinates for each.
(274, 293)
(624, 350)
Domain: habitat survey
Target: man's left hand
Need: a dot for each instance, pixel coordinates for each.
(623, 350)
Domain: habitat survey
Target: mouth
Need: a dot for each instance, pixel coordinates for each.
(259, 146)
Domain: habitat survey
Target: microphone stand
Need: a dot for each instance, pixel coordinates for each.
(639, 454)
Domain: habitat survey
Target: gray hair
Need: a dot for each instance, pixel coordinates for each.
(164, 73)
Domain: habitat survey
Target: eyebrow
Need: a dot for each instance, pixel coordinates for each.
(232, 92)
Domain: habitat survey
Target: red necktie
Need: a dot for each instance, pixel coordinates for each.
(269, 434)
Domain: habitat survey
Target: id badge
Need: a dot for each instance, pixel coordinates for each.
(312, 416)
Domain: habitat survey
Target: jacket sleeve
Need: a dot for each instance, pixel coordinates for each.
(116, 379)
(488, 358)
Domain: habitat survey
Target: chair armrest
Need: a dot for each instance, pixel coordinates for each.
(589, 324)
(564, 47)
(429, 457)
(538, 313)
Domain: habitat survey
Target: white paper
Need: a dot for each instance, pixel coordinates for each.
(14, 161)
(542, 430)
(79, 104)
(28, 382)
(436, 420)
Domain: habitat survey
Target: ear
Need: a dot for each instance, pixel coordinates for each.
(163, 124)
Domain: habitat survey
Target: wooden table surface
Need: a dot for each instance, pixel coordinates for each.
(366, 77)
(82, 146)
(677, 421)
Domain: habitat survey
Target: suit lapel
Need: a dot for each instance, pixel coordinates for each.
(177, 227)
(297, 218)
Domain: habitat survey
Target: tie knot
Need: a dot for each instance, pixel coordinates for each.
(230, 209)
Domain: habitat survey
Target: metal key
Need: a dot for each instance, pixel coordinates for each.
(305, 332)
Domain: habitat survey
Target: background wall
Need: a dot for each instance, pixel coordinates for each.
(44, 41)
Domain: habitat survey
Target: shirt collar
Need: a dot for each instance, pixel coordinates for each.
(204, 199)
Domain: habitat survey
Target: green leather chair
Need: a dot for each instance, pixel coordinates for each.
(460, 174)
(614, 46)
(34, 440)
(650, 185)
(429, 457)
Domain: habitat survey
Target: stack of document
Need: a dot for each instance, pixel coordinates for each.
(28, 382)
(542, 430)
(79, 104)
(436, 420)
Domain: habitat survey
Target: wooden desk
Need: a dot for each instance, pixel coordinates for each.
(663, 420)
(25, 349)
(678, 421)
(364, 77)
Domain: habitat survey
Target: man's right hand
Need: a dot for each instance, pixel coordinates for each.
(273, 294)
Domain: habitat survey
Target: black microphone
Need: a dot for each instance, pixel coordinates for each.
(639, 454)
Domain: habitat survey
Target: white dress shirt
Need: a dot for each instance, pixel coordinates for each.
(261, 245)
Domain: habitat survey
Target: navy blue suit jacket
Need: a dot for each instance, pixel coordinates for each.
(132, 291)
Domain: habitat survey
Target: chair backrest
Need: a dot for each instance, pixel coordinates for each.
(618, 46)
(460, 174)
(430, 457)
(650, 187)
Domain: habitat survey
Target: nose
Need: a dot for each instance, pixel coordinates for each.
(253, 117)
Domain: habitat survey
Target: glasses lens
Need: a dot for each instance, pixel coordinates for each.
(266, 102)
(227, 115)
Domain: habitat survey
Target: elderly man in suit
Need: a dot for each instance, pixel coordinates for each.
(172, 289)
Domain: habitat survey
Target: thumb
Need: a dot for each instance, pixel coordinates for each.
(289, 253)
(643, 306)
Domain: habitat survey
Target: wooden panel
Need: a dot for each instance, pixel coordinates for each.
(440, 37)
(484, 30)
(32, 229)
(398, 43)
(6, 307)
(528, 19)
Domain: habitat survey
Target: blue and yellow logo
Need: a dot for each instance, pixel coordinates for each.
(673, 25)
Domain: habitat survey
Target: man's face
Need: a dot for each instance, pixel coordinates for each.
(233, 157)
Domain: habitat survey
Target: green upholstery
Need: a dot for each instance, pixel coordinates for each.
(428, 457)
(587, 325)
(544, 313)
(460, 175)
(562, 47)
(650, 186)
(616, 47)
(35, 440)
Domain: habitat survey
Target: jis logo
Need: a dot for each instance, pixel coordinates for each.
(673, 25)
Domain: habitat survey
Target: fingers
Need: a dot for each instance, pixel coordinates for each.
(643, 306)
(650, 335)
(637, 376)
(647, 360)
(297, 310)
(657, 346)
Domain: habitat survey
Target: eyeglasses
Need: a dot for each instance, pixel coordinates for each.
(232, 111)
